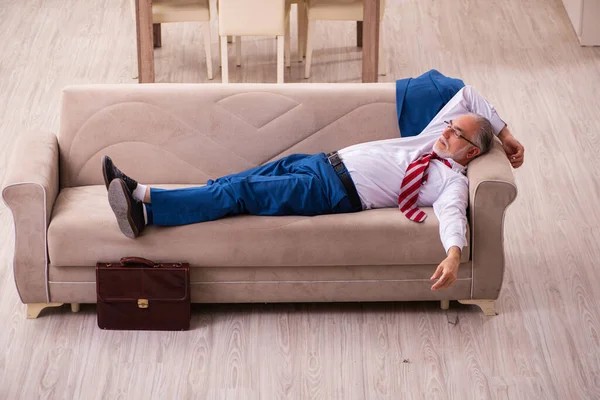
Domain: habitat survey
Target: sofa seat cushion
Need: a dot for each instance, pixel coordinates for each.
(83, 231)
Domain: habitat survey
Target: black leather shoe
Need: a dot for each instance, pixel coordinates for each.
(128, 211)
(110, 172)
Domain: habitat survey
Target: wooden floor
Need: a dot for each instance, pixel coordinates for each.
(545, 344)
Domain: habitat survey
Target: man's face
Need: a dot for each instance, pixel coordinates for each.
(451, 144)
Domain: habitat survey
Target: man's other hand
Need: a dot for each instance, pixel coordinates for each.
(447, 273)
(514, 151)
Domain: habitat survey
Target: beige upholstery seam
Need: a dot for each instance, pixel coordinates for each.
(108, 109)
(321, 129)
(151, 105)
(135, 141)
(330, 281)
(288, 281)
(248, 123)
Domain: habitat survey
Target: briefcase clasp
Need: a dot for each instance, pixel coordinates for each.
(142, 303)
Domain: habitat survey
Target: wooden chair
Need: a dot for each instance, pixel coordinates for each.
(167, 11)
(254, 18)
(337, 10)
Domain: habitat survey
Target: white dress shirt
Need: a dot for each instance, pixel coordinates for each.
(378, 168)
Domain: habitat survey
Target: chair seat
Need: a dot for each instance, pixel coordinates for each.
(83, 230)
(338, 10)
(164, 11)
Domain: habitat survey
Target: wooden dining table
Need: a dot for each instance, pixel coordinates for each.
(145, 40)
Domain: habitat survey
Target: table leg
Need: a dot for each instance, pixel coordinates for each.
(370, 46)
(145, 41)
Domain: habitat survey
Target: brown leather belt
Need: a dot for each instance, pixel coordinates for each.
(344, 175)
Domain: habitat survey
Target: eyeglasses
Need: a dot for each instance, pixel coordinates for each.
(457, 130)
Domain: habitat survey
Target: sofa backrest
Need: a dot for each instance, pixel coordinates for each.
(189, 133)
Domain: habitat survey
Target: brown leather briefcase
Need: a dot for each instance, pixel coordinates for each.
(138, 294)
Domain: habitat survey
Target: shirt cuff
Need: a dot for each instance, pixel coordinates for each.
(497, 123)
(457, 241)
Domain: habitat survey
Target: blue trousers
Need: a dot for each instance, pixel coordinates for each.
(299, 184)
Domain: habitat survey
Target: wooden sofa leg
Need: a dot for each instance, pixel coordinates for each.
(34, 309)
(445, 304)
(487, 306)
(75, 307)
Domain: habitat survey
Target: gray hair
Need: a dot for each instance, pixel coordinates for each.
(484, 137)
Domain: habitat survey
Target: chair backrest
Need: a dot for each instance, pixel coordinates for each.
(251, 18)
(189, 133)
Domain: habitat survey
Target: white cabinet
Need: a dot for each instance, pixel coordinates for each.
(585, 17)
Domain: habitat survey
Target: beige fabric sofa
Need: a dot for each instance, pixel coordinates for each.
(172, 135)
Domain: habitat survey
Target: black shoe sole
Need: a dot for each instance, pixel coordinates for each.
(121, 205)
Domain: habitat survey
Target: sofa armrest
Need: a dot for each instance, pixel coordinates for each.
(29, 189)
(491, 190)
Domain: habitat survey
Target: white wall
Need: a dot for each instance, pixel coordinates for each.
(585, 17)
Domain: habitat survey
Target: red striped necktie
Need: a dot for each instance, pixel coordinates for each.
(416, 175)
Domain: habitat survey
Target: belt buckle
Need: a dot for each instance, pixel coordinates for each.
(334, 159)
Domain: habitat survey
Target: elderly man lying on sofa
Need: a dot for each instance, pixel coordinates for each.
(424, 170)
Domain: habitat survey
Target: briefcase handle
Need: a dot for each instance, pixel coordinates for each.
(137, 260)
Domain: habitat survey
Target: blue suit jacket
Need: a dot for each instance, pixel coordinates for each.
(419, 99)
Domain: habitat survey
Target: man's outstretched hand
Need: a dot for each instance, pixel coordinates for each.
(512, 147)
(447, 271)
